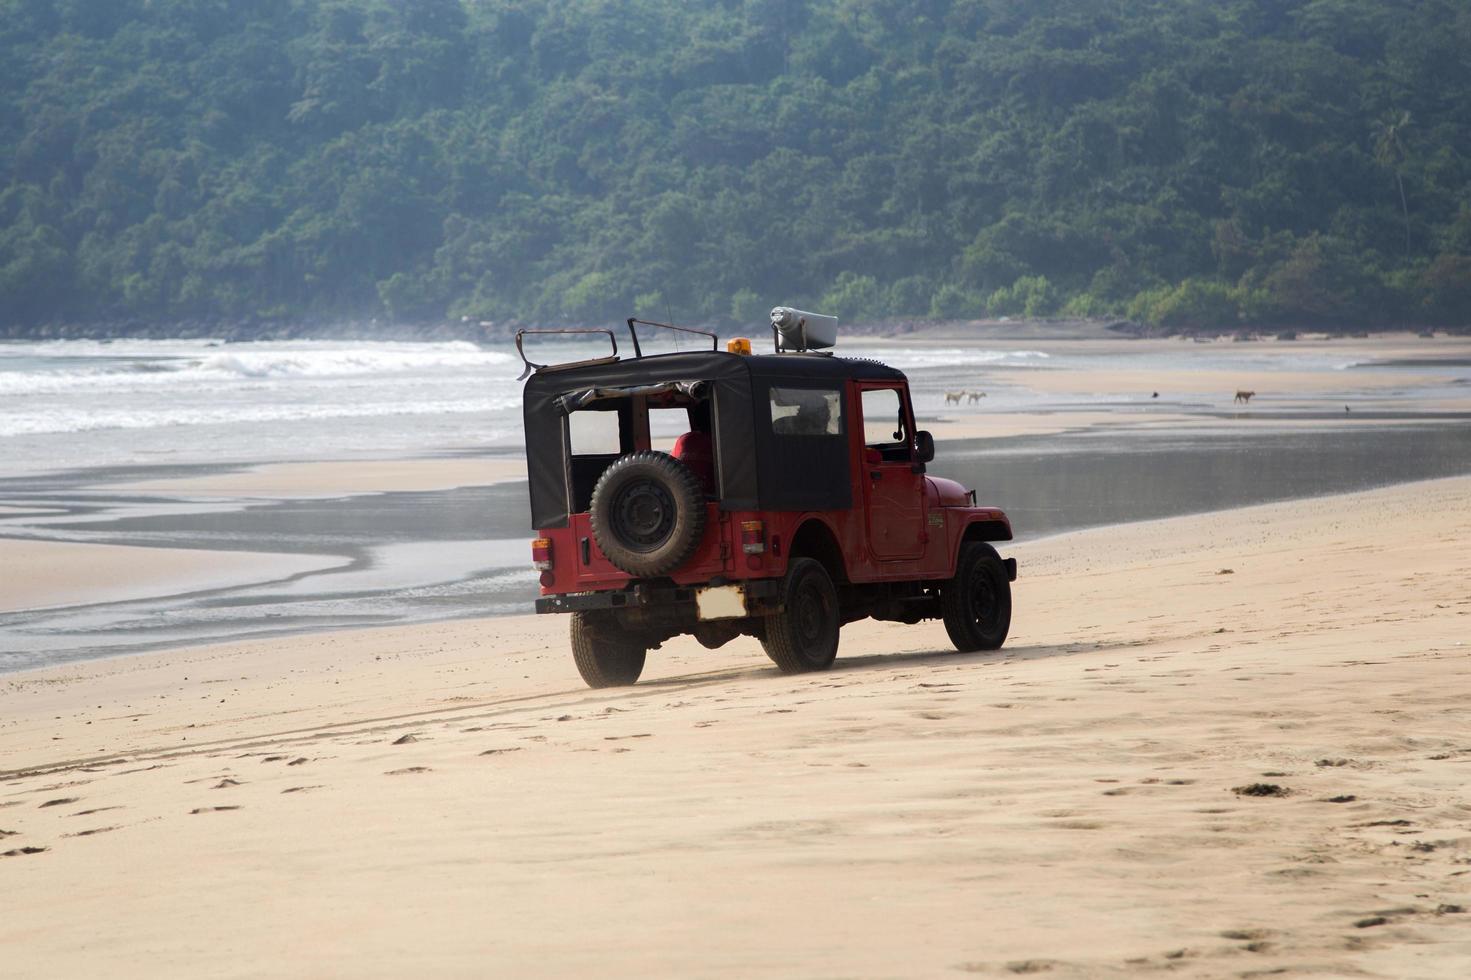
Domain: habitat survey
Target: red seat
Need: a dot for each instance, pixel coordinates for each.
(696, 451)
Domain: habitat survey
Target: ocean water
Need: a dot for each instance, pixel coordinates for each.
(73, 404)
(68, 405)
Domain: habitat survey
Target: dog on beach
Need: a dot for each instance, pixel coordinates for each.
(953, 397)
(1244, 397)
(976, 396)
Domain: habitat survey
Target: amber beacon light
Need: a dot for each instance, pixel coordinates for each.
(738, 345)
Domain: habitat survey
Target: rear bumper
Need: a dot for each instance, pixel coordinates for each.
(758, 591)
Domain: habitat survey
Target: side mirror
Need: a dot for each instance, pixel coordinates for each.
(924, 445)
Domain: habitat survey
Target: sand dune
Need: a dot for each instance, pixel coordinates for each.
(1215, 746)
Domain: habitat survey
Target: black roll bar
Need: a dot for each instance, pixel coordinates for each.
(532, 366)
(638, 351)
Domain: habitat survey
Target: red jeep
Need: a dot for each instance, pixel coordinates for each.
(795, 501)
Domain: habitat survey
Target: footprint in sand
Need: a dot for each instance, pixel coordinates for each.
(516, 748)
(212, 809)
(63, 801)
(1260, 789)
(1032, 966)
(21, 851)
(404, 772)
(405, 739)
(226, 783)
(300, 789)
(89, 833)
(100, 809)
(56, 786)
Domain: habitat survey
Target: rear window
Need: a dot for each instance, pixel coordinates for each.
(594, 433)
(806, 412)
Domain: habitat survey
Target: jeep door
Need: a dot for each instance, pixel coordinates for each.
(893, 486)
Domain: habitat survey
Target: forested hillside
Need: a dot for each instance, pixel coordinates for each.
(1183, 162)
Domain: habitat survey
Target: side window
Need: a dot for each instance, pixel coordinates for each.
(883, 423)
(806, 412)
(593, 433)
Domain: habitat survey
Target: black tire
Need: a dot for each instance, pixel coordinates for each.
(647, 513)
(977, 601)
(804, 635)
(606, 655)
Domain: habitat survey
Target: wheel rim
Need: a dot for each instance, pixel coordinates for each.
(643, 515)
(811, 616)
(984, 604)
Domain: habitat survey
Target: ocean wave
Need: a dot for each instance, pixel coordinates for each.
(66, 366)
(70, 420)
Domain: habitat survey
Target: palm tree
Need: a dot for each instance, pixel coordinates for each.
(1390, 151)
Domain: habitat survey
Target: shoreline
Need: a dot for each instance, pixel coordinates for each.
(1151, 672)
(250, 567)
(442, 525)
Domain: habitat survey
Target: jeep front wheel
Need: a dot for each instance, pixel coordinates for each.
(605, 654)
(804, 635)
(977, 602)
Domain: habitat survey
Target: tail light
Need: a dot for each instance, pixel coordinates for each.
(753, 537)
(541, 554)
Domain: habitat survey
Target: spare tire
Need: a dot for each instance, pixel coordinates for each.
(647, 513)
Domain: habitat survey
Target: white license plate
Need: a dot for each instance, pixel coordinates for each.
(721, 602)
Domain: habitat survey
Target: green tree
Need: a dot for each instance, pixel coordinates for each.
(1389, 149)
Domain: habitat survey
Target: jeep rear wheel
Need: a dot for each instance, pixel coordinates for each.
(804, 635)
(647, 513)
(977, 602)
(605, 654)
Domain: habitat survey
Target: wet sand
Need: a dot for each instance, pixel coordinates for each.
(42, 574)
(428, 555)
(338, 478)
(1222, 385)
(1220, 745)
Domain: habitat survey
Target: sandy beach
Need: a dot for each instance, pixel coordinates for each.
(1226, 744)
(1222, 745)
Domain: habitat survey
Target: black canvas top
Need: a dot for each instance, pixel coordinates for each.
(705, 366)
(755, 468)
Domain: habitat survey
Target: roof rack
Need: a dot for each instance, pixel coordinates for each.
(532, 366)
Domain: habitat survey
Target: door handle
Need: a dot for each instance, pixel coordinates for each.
(875, 475)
